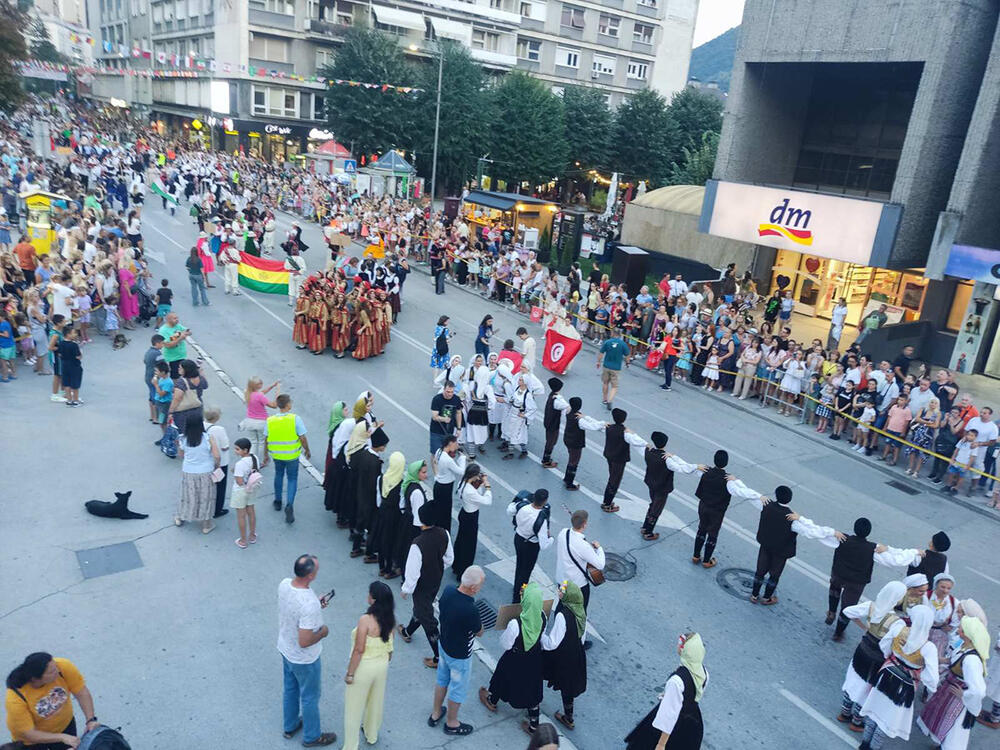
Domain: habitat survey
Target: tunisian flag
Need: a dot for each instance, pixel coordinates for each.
(559, 351)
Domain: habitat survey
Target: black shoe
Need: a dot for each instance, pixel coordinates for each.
(936, 480)
(461, 729)
(221, 513)
(932, 477)
(664, 388)
(277, 504)
(159, 442)
(588, 645)
(834, 437)
(289, 514)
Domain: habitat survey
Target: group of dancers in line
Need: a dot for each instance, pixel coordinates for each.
(333, 313)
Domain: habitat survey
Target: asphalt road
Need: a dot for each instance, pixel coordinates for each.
(181, 650)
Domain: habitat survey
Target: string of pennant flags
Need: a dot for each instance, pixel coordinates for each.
(209, 66)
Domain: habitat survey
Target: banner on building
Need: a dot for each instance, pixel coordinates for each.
(263, 274)
(559, 351)
(974, 263)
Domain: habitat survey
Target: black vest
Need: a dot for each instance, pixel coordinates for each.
(407, 503)
(853, 560)
(552, 415)
(658, 477)
(615, 448)
(712, 491)
(932, 564)
(574, 436)
(432, 543)
(775, 531)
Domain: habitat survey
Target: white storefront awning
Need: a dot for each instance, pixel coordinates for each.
(402, 18)
(443, 28)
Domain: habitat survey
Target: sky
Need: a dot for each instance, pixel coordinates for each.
(715, 17)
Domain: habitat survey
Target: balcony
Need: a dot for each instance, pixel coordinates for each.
(271, 65)
(494, 59)
(532, 24)
(275, 20)
(570, 32)
(325, 29)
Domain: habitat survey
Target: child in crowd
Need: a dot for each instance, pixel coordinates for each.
(810, 398)
(823, 409)
(8, 349)
(863, 427)
(25, 342)
(842, 403)
(711, 371)
(81, 312)
(164, 297)
(897, 425)
(961, 462)
(163, 385)
(71, 365)
(111, 316)
(244, 489)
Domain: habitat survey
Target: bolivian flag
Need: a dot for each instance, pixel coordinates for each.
(263, 274)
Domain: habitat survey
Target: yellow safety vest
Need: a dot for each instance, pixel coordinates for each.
(283, 442)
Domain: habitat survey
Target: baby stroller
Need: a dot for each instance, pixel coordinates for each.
(147, 307)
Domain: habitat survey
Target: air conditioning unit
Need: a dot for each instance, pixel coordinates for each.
(595, 74)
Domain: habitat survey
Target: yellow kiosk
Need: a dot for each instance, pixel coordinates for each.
(40, 206)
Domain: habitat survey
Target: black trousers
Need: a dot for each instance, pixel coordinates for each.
(615, 472)
(220, 489)
(572, 462)
(771, 564)
(465, 541)
(423, 615)
(843, 594)
(708, 534)
(657, 502)
(551, 436)
(527, 556)
(442, 494)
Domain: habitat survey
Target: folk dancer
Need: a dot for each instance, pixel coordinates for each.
(576, 555)
(916, 591)
(659, 478)
(878, 619)
(300, 330)
(617, 439)
(555, 405)
(389, 518)
(521, 410)
(933, 561)
(229, 257)
(675, 723)
(449, 467)
(480, 401)
(531, 516)
(713, 502)
(991, 718)
(564, 660)
(474, 493)
(335, 477)
(414, 496)
(429, 553)
(888, 709)
(946, 617)
(367, 468)
(498, 408)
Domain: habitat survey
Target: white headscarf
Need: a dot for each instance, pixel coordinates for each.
(887, 599)
(483, 377)
(921, 620)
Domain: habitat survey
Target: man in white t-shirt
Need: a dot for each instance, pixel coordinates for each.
(920, 397)
(986, 437)
(62, 296)
(300, 630)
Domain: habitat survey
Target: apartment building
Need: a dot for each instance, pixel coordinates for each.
(244, 68)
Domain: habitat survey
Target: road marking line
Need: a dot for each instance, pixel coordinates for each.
(816, 716)
(980, 573)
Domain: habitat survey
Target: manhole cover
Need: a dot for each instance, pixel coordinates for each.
(903, 487)
(736, 581)
(114, 558)
(617, 568)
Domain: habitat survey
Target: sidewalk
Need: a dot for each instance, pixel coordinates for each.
(980, 386)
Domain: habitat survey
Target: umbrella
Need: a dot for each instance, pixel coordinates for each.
(612, 196)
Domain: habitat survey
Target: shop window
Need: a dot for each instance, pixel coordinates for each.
(959, 304)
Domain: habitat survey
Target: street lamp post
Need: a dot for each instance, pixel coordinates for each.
(437, 124)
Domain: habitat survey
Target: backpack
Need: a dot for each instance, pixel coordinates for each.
(441, 345)
(521, 499)
(168, 443)
(103, 738)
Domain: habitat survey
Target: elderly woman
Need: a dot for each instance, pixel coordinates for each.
(39, 712)
(201, 458)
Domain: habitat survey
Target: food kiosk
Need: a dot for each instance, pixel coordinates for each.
(41, 206)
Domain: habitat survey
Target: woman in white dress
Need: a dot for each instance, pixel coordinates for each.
(888, 709)
(480, 402)
(453, 373)
(791, 382)
(521, 409)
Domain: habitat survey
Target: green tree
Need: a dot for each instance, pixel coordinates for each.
(692, 114)
(465, 120)
(643, 133)
(370, 119)
(528, 143)
(697, 164)
(41, 47)
(12, 48)
(588, 128)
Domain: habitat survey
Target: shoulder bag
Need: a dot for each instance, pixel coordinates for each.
(190, 398)
(591, 574)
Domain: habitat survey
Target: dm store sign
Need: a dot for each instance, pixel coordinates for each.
(824, 225)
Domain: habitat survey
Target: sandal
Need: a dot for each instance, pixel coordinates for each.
(432, 722)
(178, 521)
(484, 698)
(710, 564)
(252, 539)
(562, 719)
(610, 508)
(651, 536)
(240, 543)
(208, 529)
(402, 634)
(461, 729)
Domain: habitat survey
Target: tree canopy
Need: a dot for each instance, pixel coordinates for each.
(643, 135)
(588, 128)
(12, 48)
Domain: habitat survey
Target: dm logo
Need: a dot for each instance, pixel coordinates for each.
(790, 223)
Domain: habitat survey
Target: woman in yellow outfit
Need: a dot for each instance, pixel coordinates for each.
(364, 697)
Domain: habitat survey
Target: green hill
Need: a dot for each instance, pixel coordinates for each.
(713, 61)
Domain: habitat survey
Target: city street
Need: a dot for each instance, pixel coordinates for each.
(179, 650)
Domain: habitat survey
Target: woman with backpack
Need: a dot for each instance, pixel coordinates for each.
(439, 352)
(41, 681)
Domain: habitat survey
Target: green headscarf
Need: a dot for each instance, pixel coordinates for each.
(572, 599)
(531, 614)
(412, 474)
(692, 657)
(336, 417)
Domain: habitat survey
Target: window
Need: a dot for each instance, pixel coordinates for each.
(498, 4)
(529, 49)
(637, 70)
(275, 101)
(535, 9)
(319, 107)
(647, 3)
(558, 91)
(571, 17)
(324, 57)
(268, 48)
(604, 64)
(285, 7)
(608, 25)
(487, 40)
(567, 57)
(389, 29)
(526, 10)
(642, 32)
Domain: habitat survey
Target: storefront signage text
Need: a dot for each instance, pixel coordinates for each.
(823, 225)
(277, 130)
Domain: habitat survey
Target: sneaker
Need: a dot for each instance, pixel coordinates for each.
(55, 398)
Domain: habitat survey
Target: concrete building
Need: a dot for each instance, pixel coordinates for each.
(203, 58)
(848, 130)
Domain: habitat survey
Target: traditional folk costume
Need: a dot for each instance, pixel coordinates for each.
(521, 410)
(364, 330)
(677, 714)
(934, 560)
(575, 440)
(948, 719)
(452, 373)
(367, 467)
(300, 331)
(863, 670)
(390, 516)
(518, 676)
(916, 590)
(564, 660)
(659, 478)
(888, 709)
(472, 499)
(340, 325)
(531, 516)
(480, 401)
(448, 469)
(336, 476)
(990, 717)
(412, 497)
(713, 502)
(946, 619)
(356, 445)
(552, 413)
(617, 439)
(318, 323)
(498, 381)
(426, 559)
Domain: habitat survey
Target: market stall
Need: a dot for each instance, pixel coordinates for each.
(525, 216)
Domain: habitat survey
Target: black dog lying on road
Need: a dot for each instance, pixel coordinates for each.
(117, 509)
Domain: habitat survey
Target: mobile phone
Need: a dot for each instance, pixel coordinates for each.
(328, 596)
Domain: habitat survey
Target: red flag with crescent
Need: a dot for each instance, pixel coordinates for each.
(559, 351)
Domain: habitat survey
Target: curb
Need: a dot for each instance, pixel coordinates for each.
(921, 487)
